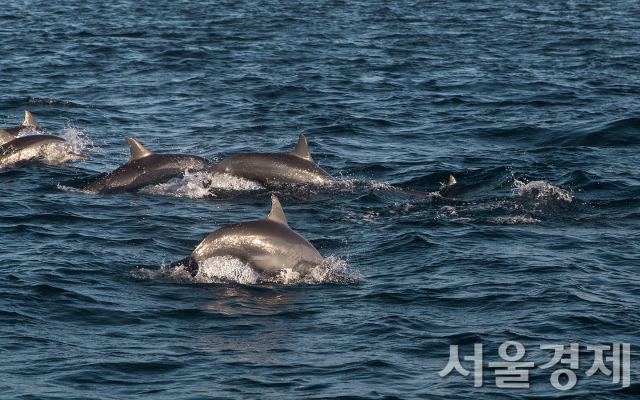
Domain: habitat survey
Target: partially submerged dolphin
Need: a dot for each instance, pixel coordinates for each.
(145, 168)
(29, 122)
(16, 151)
(267, 245)
(449, 190)
(275, 169)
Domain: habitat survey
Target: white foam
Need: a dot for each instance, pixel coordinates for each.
(202, 184)
(229, 269)
(332, 270)
(79, 141)
(73, 190)
(58, 153)
(217, 269)
(541, 191)
(197, 185)
(517, 220)
(229, 182)
(191, 185)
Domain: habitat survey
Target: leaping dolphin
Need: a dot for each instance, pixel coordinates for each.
(29, 122)
(273, 170)
(145, 168)
(16, 151)
(267, 245)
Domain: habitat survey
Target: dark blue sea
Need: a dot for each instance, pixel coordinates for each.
(533, 106)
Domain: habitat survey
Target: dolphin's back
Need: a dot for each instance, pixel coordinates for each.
(266, 246)
(28, 142)
(153, 169)
(272, 169)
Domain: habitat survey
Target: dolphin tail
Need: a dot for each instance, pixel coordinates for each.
(189, 264)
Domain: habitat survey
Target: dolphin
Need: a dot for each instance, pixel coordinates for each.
(273, 170)
(450, 189)
(267, 245)
(145, 168)
(29, 122)
(15, 151)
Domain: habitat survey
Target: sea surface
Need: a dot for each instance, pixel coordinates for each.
(533, 106)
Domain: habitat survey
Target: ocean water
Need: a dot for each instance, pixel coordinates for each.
(534, 107)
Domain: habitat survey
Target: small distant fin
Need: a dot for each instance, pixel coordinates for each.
(302, 149)
(29, 120)
(277, 214)
(137, 150)
(451, 189)
(5, 136)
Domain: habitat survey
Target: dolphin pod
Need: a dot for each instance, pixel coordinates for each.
(273, 170)
(145, 168)
(266, 245)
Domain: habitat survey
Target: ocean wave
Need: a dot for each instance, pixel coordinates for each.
(54, 102)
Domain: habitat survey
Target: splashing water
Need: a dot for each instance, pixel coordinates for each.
(542, 197)
(229, 182)
(541, 192)
(201, 184)
(226, 269)
(229, 269)
(72, 149)
(191, 185)
(517, 220)
(78, 140)
(197, 185)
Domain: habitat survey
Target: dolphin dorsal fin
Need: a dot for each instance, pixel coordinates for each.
(277, 214)
(302, 149)
(29, 120)
(137, 150)
(452, 180)
(5, 136)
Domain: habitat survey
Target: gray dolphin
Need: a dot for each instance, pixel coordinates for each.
(16, 151)
(29, 122)
(145, 168)
(275, 169)
(267, 245)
